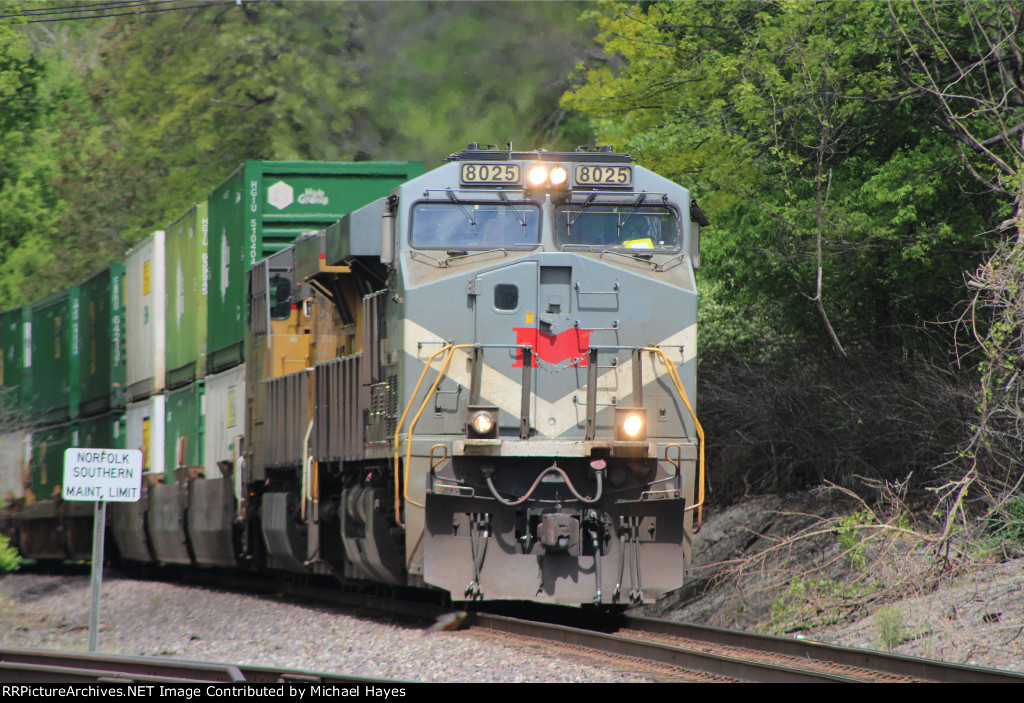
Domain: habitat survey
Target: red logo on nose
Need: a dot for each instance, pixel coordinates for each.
(553, 348)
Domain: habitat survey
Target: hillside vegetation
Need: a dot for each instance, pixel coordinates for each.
(861, 163)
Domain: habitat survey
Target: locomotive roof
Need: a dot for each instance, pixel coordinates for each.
(489, 152)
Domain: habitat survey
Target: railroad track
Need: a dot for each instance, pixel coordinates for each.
(661, 649)
(676, 651)
(37, 666)
(691, 652)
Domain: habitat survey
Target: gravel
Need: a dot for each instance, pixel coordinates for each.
(162, 619)
(976, 619)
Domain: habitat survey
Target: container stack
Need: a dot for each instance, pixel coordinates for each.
(151, 353)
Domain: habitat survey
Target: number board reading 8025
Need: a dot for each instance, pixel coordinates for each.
(490, 174)
(586, 175)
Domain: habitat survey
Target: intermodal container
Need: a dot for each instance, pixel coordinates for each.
(260, 209)
(14, 381)
(183, 429)
(47, 460)
(187, 283)
(101, 333)
(106, 431)
(224, 420)
(14, 447)
(145, 422)
(146, 334)
(53, 355)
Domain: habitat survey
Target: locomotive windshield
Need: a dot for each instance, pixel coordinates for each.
(619, 225)
(462, 224)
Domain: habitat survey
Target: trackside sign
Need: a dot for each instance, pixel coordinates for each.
(102, 474)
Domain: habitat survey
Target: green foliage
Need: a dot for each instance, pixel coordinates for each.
(322, 81)
(27, 203)
(1006, 523)
(810, 603)
(445, 74)
(10, 560)
(813, 602)
(27, 272)
(771, 113)
(850, 537)
(140, 115)
(891, 630)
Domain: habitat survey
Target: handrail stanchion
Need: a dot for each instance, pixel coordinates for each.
(674, 375)
(423, 405)
(398, 430)
(524, 409)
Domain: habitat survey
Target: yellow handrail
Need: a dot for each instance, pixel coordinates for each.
(674, 375)
(398, 429)
(401, 422)
(423, 405)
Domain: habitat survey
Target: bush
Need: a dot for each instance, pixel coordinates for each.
(792, 423)
(10, 560)
(891, 631)
(1006, 523)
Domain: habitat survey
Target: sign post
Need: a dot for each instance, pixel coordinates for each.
(101, 475)
(99, 528)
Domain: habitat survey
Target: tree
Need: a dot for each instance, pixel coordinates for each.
(27, 205)
(827, 226)
(168, 103)
(966, 60)
(843, 226)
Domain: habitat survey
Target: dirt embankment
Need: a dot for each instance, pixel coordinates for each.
(810, 566)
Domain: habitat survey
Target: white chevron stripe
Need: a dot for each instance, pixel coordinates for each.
(551, 419)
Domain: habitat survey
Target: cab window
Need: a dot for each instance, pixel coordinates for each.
(468, 225)
(280, 298)
(602, 226)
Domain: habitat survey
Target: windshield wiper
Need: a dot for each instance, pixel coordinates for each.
(451, 196)
(501, 194)
(572, 220)
(590, 199)
(639, 201)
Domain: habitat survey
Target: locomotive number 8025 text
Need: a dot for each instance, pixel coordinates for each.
(490, 173)
(604, 175)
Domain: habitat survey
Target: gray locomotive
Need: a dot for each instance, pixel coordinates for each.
(482, 382)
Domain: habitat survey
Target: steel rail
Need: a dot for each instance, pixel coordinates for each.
(809, 660)
(690, 660)
(894, 664)
(23, 665)
(685, 658)
(885, 665)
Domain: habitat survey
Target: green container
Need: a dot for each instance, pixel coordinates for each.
(260, 209)
(106, 431)
(184, 421)
(14, 380)
(187, 282)
(101, 332)
(47, 459)
(54, 357)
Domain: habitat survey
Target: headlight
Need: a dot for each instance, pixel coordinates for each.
(547, 176)
(633, 425)
(537, 176)
(482, 423)
(630, 424)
